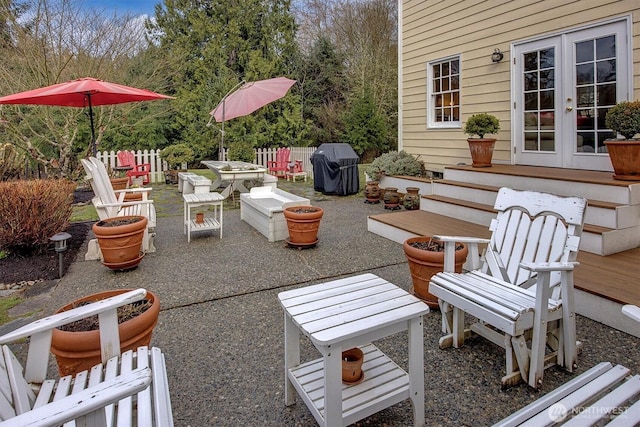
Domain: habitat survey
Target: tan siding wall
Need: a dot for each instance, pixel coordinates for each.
(473, 29)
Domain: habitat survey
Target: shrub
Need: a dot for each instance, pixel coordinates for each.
(176, 155)
(241, 151)
(395, 163)
(33, 211)
(481, 124)
(624, 118)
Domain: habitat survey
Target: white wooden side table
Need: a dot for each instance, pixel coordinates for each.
(194, 200)
(346, 313)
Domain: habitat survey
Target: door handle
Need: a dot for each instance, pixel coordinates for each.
(569, 108)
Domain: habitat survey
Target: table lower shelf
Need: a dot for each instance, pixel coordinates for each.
(208, 224)
(385, 384)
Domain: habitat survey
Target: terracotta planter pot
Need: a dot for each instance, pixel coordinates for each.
(625, 158)
(303, 223)
(391, 198)
(425, 263)
(120, 244)
(411, 200)
(200, 218)
(481, 150)
(352, 365)
(372, 192)
(78, 351)
(119, 183)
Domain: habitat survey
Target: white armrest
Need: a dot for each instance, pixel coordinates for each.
(86, 402)
(473, 258)
(633, 311)
(461, 239)
(549, 266)
(72, 315)
(124, 204)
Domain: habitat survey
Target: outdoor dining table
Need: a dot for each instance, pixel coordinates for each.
(232, 174)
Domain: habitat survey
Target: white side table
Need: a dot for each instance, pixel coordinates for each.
(337, 316)
(194, 200)
(293, 175)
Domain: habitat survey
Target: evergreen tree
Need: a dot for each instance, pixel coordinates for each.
(365, 129)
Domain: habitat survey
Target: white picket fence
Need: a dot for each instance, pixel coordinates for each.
(158, 166)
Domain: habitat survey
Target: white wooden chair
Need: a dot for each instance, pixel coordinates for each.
(110, 203)
(605, 394)
(521, 291)
(126, 388)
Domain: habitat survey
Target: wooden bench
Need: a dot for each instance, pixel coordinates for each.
(131, 388)
(605, 393)
(189, 183)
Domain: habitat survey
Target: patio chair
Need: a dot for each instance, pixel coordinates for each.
(131, 388)
(127, 158)
(605, 394)
(110, 203)
(522, 291)
(280, 165)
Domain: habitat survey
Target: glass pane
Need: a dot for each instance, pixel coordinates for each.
(530, 141)
(585, 119)
(446, 99)
(438, 114)
(585, 142)
(530, 61)
(606, 47)
(584, 51)
(547, 59)
(531, 121)
(547, 79)
(547, 141)
(584, 74)
(445, 68)
(531, 81)
(456, 114)
(455, 67)
(602, 136)
(585, 96)
(438, 100)
(456, 96)
(455, 82)
(606, 71)
(531, 101)
(602, 112)
(445, 83)
(436, 86)
(547, 120)
(606, 94)
(436, 70)
(546, 99)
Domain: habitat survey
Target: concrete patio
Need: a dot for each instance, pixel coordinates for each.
(221, 325)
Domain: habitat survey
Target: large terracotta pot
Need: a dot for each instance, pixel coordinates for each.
(625, 158)
(481, 150)
(78, 351)
(120, 240)
(303, 223)
(425, 263)
(119, 183)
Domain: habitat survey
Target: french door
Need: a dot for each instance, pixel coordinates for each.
(563, 87)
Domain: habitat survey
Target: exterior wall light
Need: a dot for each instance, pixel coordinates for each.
(497, 56)
(60, 240)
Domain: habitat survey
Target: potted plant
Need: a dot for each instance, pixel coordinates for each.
(120, 240)
(426, 258)
(624, 119)
(76, 345)
(303, 223)
(481, 148)
(175, 155)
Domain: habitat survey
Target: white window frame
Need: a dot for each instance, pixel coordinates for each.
(431, 117)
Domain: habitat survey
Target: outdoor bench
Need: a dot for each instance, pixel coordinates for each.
(189, 182)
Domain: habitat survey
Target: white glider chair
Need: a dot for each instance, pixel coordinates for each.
(521, 291)
(125, 389)
(110, 203)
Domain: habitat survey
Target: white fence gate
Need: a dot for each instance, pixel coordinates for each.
(262, 156)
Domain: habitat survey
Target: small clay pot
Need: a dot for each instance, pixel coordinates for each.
(352, 365)
(200, 218)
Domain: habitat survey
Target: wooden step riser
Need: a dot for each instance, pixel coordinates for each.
(617, 218)
(622, 195)
(402, 184)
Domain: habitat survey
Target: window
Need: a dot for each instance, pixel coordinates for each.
(443, 93)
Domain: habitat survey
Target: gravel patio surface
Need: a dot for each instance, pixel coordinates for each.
(221, 325)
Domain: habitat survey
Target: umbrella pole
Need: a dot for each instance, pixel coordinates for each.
(221, 153)
(93, 136)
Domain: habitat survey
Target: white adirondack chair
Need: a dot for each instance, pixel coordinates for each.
(521, 291)
(128, 388)
(110, 203)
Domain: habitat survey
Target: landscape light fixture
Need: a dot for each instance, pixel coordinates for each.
(60, 240)
(497, 56)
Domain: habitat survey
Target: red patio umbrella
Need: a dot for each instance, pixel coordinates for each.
(84, 92)
(248, 98)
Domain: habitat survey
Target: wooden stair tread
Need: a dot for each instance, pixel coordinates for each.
(596, 203)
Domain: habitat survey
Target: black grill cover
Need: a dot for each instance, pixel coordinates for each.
(335, 169)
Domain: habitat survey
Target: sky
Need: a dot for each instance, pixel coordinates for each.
(137, 7)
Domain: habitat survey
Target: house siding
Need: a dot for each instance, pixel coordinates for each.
(473, 29)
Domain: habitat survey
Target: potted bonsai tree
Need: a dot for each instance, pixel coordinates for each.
(175, 155)
(624, 119)
(426, 258)
(481, 148)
